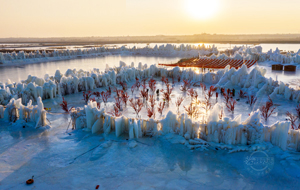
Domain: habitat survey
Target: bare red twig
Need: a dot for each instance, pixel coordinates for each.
(231, 105)
(242, 94)
(298, 110)
(115, 112)
(124, 85)
(211, 91)
(267, 110)
(86, 96)
(125, 98)
(136, 105)
(118, 102)
(167, 93)
(64, 105)
(144, 92)
(186, 85)
(161, 107)
(292, 118)
(251, 100)
(104, 96)
(151, 108)
(109, 91)
(152, 84)
(178, 102)
(192, 93)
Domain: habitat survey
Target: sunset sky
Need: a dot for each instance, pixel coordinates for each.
(79, 18)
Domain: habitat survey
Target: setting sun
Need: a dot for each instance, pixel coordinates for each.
(202, 9)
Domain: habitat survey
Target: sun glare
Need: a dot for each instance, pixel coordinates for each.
(202, 9)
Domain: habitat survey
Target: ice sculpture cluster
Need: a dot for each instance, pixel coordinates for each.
(241, 52)
(32, 115)
(195, 133)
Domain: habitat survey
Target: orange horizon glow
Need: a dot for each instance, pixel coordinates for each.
(75, 18)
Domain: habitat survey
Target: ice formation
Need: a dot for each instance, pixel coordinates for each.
(226, 131)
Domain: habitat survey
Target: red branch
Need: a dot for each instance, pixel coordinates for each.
(151, 109)
(86, 96)
(167, 93)
(124, 85)
(136, 105)
(292, 118)
(115, 112)
(203, 86)
(298, 110)
(178, 102)
(125, 97)
(211, 91)
(118, 102)
(152, 84)
(192, 93)
(64, 105)
(161, 107)
(109, 90)
(252, 100)
(186, 85)
(242, 94)
(231, 105)
(144, 93)
(104, 96)
(267, 110)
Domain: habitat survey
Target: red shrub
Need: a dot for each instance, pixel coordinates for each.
(152, 101)
(231, 105)
(173, 80)
(64, 105)
(86, 96)
(192, 93)
(226, 97)
(151, 109)
(152, 84)
(144, 92)
(178, 102)
(150, 112)
(125, 98)
(124, 85)
(97, 94)
(206, 104)
(252, 100)
(104, 96)
(118, 92)
(115, 112)
(292, 118)
(191, 110)
(136, 105)
(161, 107)
(298, 110)
(167, 93)
(186, 85)
(137, 83)
(267, 110)
(211, 91)
(242, 94)
(118, 102)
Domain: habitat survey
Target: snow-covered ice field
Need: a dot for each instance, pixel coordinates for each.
(78, 159)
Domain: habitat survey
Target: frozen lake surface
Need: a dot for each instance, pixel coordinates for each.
(18, 73)
(80, 160)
